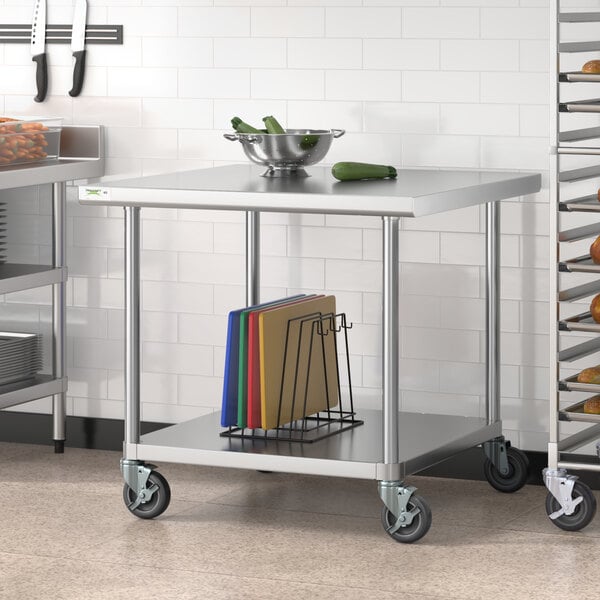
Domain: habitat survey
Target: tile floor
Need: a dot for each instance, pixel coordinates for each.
(65, 534)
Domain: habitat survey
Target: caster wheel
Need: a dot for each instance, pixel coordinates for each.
(515, 479)
(416, 530)
(584, 511)
(158, 502)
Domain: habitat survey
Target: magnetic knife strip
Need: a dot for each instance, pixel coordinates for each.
(61, 34)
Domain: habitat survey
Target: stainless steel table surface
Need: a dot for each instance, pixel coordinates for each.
(415, 192)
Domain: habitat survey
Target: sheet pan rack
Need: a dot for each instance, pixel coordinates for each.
(570, 503)
(338, 416)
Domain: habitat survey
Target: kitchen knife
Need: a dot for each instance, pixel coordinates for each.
(38, 49)
(78, 45)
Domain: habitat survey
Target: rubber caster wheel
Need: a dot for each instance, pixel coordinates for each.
(416, 530)
(518, 470)
(158, 502)
(584, 511)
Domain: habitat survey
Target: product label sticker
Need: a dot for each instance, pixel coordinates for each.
(87, 192)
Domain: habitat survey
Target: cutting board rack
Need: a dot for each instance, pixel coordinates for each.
(339, 415)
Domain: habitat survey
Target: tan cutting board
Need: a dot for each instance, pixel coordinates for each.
(273, 328)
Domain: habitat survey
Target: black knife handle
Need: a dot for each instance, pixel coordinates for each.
(78, 72)
(41, 76)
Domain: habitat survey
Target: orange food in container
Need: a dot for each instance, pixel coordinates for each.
(28, 140)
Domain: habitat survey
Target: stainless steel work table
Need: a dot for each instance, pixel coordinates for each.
(81, 156)
(390, 444)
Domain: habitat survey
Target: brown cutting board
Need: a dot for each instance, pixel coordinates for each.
(287, 321)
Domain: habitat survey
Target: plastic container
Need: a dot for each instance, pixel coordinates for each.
(29, 140)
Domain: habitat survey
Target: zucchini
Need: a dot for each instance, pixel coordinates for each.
(309, 141)
(273, 125)
(351, 171)
(242, 127)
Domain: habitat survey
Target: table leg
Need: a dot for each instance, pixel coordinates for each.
(59, 327)
(391, 354)
(132, 326)
(492, 325)
(252, 258)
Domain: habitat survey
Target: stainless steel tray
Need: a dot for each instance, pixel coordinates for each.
(572, 385)
(582, 204)
(575, 413)
(584, 106)
(580, 322)
(579, 77)
(581, 264)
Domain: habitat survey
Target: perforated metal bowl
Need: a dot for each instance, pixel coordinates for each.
(286, 154)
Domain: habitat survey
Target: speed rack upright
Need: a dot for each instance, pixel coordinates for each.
(574, 220)
(390, 444)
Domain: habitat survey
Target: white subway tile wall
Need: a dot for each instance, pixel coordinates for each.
(416, 83)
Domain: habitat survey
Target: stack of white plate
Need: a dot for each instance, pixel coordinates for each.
(20, 356)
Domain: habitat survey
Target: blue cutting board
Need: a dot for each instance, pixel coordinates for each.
(230, 401)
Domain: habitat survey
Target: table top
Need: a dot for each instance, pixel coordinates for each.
(81, 157)
(414, 193)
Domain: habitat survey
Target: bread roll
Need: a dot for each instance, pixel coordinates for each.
(591, 66)
(592, 406)
(595, 308)
(595, 251)
(591, 375)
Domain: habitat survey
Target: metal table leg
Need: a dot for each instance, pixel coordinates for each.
(495, 450)
(136, 473)
(252, 258)
(132, 326)
(406, 517)
(492, 320)
(390, 323)
(59, 332)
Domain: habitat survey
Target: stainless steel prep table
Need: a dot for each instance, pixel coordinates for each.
(81, 156)
(390, 444)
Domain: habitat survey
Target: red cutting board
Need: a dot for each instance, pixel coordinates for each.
(254, 401)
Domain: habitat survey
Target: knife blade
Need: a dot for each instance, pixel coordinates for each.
(38, 49)
(78, 45)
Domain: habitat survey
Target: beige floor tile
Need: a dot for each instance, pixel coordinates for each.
(273, 536)
(55, 522)
(454, 562)
(537, 520)
(473, 503)
(97, 472)
(53, 579)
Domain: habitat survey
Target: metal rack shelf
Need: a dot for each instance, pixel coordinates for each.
(81, 156)
(581, 322)
(570, 504)
(31, 389)
(581, 264)
(582, 174)
(589, 203)
(579, 77)
(580, 106)
(579, 135)
(575, 413)
(578, 17)
(571, 47)
(16, 277)
(570, 384)
(579, 233)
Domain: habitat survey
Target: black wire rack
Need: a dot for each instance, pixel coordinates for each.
(339, 415)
